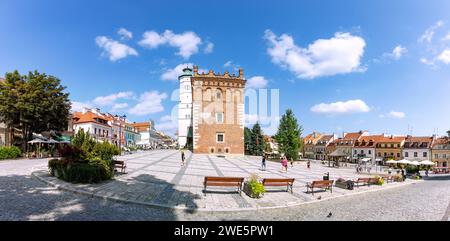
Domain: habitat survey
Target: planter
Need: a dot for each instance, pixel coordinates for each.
(248, 190)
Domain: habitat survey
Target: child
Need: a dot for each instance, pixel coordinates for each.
(284, 164)
(263, 164)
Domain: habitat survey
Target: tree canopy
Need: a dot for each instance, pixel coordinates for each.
(33, 103)
(254, 140)
(288, 135)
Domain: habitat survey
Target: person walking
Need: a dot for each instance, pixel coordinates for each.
(182, 157)
(292, 162)
(263, 163)
(284, 164)
(308, 164)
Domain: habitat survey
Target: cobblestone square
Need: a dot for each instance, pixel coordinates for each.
(157, 178)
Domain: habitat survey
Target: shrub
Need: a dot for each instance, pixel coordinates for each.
(412, 169)
(104, 151)
(398, 178)
(10, 152)
(380, 181)
(86, 173)
(255, 188)
(71, 153)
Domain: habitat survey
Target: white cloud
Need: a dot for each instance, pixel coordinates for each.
(119, 106)
(398, 52)
(173, 74)
(351, 106)
(168, 125)
(209, 48)
(447, 37)
(325, 57)
(125, 34)
(110, 99)
(187, 42)
(228, 64)
(78, 106)
(256, 82)
(167, 118)
(149, 103)
(429, 33)
(113, 49)
(397, 114)
(445, 56)
(427, 62)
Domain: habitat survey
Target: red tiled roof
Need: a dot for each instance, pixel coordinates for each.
(87, 117)
(441, 141)
(392, 139)
(418, 142)
(368, 141)
(353, 136)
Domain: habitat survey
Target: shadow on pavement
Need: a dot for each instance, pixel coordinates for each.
(23, 197)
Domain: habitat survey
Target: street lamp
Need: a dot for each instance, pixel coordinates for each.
(120, 129)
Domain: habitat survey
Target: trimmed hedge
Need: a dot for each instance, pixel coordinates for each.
(10, 152)
(80, 172)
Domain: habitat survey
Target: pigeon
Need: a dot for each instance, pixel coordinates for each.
(319, 198)
(329, 215)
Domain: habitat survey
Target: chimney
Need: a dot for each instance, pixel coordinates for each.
(241, 73)
(195, 70)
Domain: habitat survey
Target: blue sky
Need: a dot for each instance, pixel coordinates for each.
(341, 66)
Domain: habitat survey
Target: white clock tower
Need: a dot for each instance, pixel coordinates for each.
(185, 107)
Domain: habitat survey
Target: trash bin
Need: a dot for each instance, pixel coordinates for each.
(326, 176)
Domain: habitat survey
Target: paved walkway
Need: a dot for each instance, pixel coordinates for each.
(156, 178)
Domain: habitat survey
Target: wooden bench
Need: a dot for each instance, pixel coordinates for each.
(368, 181)
(324, 184)
(388, 179)
(121, 165)
(223, 182)
(279, 182)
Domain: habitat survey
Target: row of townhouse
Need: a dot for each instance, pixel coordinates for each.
(106, 127)
(360, 146)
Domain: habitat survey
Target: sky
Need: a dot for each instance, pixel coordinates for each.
(341, 66)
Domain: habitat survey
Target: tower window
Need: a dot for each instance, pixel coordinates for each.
(219, 117)
(220, 137)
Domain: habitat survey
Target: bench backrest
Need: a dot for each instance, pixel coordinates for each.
(322, 183)
(364, 179)
(224, 179)
(278, 180)
(119, 162)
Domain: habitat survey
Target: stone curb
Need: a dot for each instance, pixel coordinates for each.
(66, 187)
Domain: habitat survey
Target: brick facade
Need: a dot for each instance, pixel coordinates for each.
(218, 109)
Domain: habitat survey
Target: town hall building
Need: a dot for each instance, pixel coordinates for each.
(211, 112)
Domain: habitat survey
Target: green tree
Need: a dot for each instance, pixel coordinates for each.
(248, 141)
(288, 135)
(33, 103)
(257, 140)
(448, 133)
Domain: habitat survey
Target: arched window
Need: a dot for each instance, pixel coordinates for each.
(207, 95)
(218, 94)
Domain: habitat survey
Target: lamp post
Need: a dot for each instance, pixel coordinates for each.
(120, 130)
